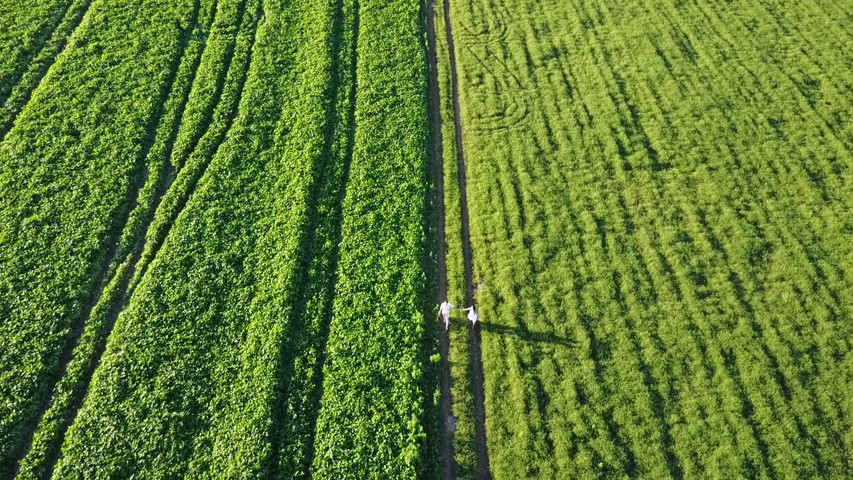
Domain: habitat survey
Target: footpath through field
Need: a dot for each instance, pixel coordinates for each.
(447, 423)
(475, 361)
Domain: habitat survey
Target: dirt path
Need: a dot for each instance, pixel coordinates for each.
(476, 361)
(448, 427)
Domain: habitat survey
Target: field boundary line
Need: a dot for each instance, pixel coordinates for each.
(447, 423)
(101, 281)
(40, 63)
(476, 361)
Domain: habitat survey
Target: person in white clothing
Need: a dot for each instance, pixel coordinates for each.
(472, 315)
(444, 313)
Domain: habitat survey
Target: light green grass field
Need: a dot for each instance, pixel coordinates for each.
(659, 198)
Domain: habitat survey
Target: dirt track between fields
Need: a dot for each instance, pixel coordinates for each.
(476, 362)
(448, 422)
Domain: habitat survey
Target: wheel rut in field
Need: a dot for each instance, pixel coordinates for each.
(101, 280)
(318, 250)
(18, 94)
(196, 173)
(476, 361)
(447, 423)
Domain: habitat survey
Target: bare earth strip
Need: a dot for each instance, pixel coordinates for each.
(448, 422)
(467, 255)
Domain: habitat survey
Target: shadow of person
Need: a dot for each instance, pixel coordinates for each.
(528, 336)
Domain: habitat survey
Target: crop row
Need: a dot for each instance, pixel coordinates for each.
(188, 382)
(68, 170)
(658, 205)
(370, 423)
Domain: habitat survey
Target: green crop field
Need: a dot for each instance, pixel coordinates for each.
(225, 226)
(191, 222)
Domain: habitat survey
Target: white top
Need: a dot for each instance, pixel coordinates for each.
(472, 314)
(444, 309)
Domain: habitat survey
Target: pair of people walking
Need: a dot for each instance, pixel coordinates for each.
(444, 314)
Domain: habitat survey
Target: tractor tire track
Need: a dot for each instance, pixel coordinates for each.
(100, 282)
(447, 423)
(33, 71)
(117, 298)
(476, 361)
(175, 197)
(318, 251)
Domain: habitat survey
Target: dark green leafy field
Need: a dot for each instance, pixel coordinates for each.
(184, 245)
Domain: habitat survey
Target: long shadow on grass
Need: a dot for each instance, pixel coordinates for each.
(528, 336)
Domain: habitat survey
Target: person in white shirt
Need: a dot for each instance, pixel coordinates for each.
(444, 313)
(472, 315)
